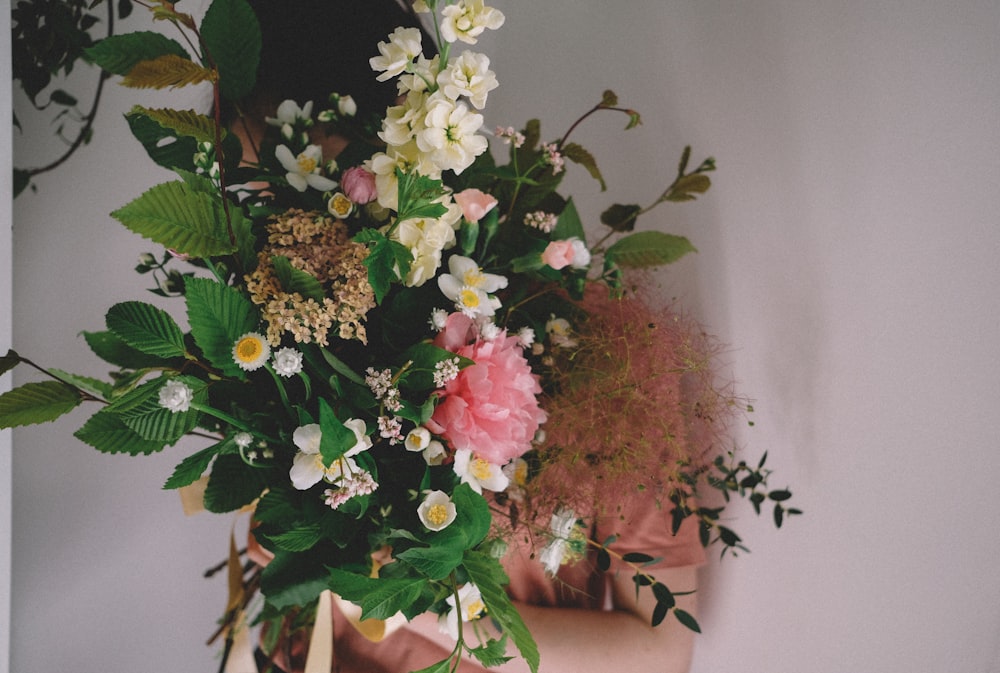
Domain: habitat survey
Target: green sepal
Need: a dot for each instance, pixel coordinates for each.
(647, 249)
(118, 54)
(34, 403)
(219, 315)
(185, 216)
(231, 34)
(146, 328)
(106, 432)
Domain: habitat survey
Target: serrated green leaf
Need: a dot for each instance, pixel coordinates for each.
(178, 217)
(231, 485)
(191, 468)
(168, 70)
(147, 328)
(162, 145)
(95, 387)
(647, 249)
(34, 403)
(106, 432)
(142, 412)
(435, 563)
(113, 350)
(292, 579)
(298, 539)
(443, 666)
(492, 654)
(218, 315)
(232, 36)
(378, 598)
(119, 53)
(296, 280)
(621, 217)
(569, 224)
(577, 154)
(186, 123)
(488, 575)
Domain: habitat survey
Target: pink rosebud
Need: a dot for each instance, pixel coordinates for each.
(358, 185)
(559, 254)
(475, 204)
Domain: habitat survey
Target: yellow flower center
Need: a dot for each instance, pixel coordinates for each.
(340, 205)
(306, 164)
(473, 277)
(481, 470)
(249, 348)
(437, 514)
(475, 610)
(469, 298)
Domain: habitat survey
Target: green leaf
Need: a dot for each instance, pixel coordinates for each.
(387, 261)
(646, 249)
(298, 539)
(577, 154)
(659, 613)
(488, 575)
(163, 146)
(687, 186)
(218, 315)
(621, 218)
(418, 197)
(186, 123)
(34, 403)
(147, 328)
(292, 579)
(191, 468)
(443, 666)
(9, 361)
(378, 598)
(336, 438)
(111, 349)
(168, 70)
(687, 620)
(187, 220)
(232, 484)
(434, 562)
(342, 368)
(141, 410)
(492, 654)
(296, 280)
(106, 432)
(232, 37)
(424, 356)
(118, 54)
(569, 224)
(93, 386)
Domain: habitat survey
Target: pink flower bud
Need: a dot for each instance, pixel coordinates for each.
(475, 204)
(559, 254)
(358, 185)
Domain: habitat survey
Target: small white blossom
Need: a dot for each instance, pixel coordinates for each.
(559, 332)
(176, 396)
(358, 482)
(470, 288)
(289, 113)
(251, 351)
(287, 362)
(437, 511)
(438, 319)
(243, 439)
(346, 106)
(470, 608)
(490, 331)
(559, 549)
(304, 169)
(445, 371)
(539, 219)
(581, 254)
(526, 337)
(478, 473)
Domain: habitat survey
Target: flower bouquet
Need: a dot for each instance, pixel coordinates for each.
(398, 357)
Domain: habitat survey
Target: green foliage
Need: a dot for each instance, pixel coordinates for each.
(34, 403)
(387, 261)
(191, 468)
(140, 410)
(189, 221)
(108, 433)
(232, 484)
(146, 328)
(9, 361)
(577, 154)
(118, 54)
(296, 280)
(112, 349)
(492, 654)
(168, 70)
(165, 147)
(232, 40)
(378, 598)
(646, 249)
(219, 315)
(186, 123)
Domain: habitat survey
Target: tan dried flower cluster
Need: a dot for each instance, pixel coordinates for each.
(320, 246)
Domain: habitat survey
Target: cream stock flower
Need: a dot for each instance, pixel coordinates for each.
(427, 238)
(449, 135)
(467, 19)
(396, 54)
(468, 75)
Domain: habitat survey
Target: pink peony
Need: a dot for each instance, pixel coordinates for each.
(359, 185)
(491, 407)
(559, 254)
(475, 204)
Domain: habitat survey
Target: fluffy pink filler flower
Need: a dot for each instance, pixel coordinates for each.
(491, 407)
(475, 203)
(358, 185)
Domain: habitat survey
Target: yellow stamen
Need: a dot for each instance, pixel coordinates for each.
(306, 164)
(437, 514)
(249, 348)
(469, 298)
(481, 470)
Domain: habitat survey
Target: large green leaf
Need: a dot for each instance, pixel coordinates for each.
(232, 36)
(648, 248)
(296, 280)
(176, 216)
(434, 562)
(569, 224)
(140, 410)
(232, 484)
(147, 328)
(110, 348)
(378, 598)
(218, 315)
(36, 403)
(488, 575)
(292, 579)
(163, 145)
(181, 122)
(119, 53)
(106, 432)
(191, 468)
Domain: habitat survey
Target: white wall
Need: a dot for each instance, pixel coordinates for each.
(847, 253)
(6, 298)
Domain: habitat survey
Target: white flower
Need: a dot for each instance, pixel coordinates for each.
(417, 439)
(396, 54)
(243, 439)
(427, 238)
(304, 169)
(346, 106)
(407, 158)
(470, 288)
(434, 454)
(251, 351)
(307, 466)
(402, 122)
(567, 542)
(559, 332)
(478, 473)
(467, 19)
(339, 206)
(420, 75)
(287, 362)
(470, 607)
(176, 396)
(581, 254)
(525, 337)
(469, 75)
(449, 135)
(289, 113)
(438, 319)
(437, 511)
